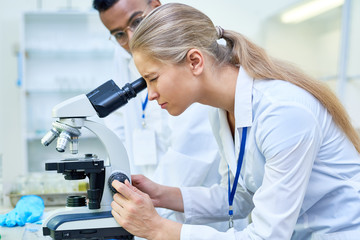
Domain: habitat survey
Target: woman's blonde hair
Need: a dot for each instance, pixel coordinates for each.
(171, 30)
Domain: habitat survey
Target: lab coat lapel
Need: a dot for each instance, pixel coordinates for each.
(243, 112)
(227, 141)
(243, 100)
(243, 118)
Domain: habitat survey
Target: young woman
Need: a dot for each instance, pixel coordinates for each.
(290, 154)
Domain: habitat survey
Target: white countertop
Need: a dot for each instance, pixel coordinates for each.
(11, 233)
(18, 233)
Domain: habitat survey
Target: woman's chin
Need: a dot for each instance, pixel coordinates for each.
(174, 112)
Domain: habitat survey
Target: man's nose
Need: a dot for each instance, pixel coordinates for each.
(129, 33)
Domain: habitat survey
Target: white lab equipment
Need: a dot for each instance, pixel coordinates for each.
(91, 219)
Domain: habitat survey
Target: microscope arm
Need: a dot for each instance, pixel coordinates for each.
(116, 152)
(117, 155)
(76, 107)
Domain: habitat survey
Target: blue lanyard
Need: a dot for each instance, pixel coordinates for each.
(231, 194)
(143, 106)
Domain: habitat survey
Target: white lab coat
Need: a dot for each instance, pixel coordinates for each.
(300, 176)
(186, 148)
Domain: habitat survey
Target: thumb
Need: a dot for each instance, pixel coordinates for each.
(135, 189)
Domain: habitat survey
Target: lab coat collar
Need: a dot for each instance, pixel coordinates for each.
(121, 52)
(243, 100)
(133, 70)
(131, 65)
(243, 118)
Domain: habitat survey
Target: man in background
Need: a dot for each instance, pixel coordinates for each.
(164, 148)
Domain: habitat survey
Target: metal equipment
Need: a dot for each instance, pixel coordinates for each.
(91, 219)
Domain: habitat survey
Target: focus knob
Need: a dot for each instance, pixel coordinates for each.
(121, 177)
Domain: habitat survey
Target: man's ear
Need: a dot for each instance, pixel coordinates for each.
(195, 60)
(155, 3)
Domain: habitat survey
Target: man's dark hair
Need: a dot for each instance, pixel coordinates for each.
(103, 5)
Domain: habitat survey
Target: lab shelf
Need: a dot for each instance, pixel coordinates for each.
(69, 52)
(52, 91)
(62, 54)
(335, 77)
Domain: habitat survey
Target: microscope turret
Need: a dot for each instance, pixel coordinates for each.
(95, 220)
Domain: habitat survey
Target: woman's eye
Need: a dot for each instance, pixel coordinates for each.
(151, 80)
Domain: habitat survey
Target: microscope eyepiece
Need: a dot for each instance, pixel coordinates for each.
(138, 85)
(108, 97)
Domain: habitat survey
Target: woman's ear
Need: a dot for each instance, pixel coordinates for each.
(195, 60)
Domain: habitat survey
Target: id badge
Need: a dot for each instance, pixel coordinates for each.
(144, 147)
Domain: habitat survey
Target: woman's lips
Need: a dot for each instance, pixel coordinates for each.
(163, 105)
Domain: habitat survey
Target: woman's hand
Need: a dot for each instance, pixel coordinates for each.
(149, 187)
(134, 211)
(160, 195)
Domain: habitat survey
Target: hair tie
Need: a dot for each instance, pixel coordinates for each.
(219, 31)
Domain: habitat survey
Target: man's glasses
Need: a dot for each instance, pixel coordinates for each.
(121, 36)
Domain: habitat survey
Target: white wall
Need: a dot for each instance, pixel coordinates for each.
(10, 95)
(352, 90)
(240, 15)
(247, 17)
(11, 143)
(314, 45)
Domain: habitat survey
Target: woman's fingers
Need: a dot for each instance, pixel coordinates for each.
(118, 203)
(135, 189)
(141, 182)
(119, 218)
(127, 183)
(137, 178)
(127, 197)
(133, 209)
(124, 189)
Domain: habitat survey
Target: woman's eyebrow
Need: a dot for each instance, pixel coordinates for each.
(148, 75)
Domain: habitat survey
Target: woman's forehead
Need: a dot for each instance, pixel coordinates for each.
(145, 64)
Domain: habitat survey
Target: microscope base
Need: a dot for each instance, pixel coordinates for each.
(80, 223)
(99, 234)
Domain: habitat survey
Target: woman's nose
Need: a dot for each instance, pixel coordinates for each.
(152, 94)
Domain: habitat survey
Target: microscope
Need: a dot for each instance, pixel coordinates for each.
(89, 218)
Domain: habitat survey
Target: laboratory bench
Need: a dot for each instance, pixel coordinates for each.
(18, 233)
